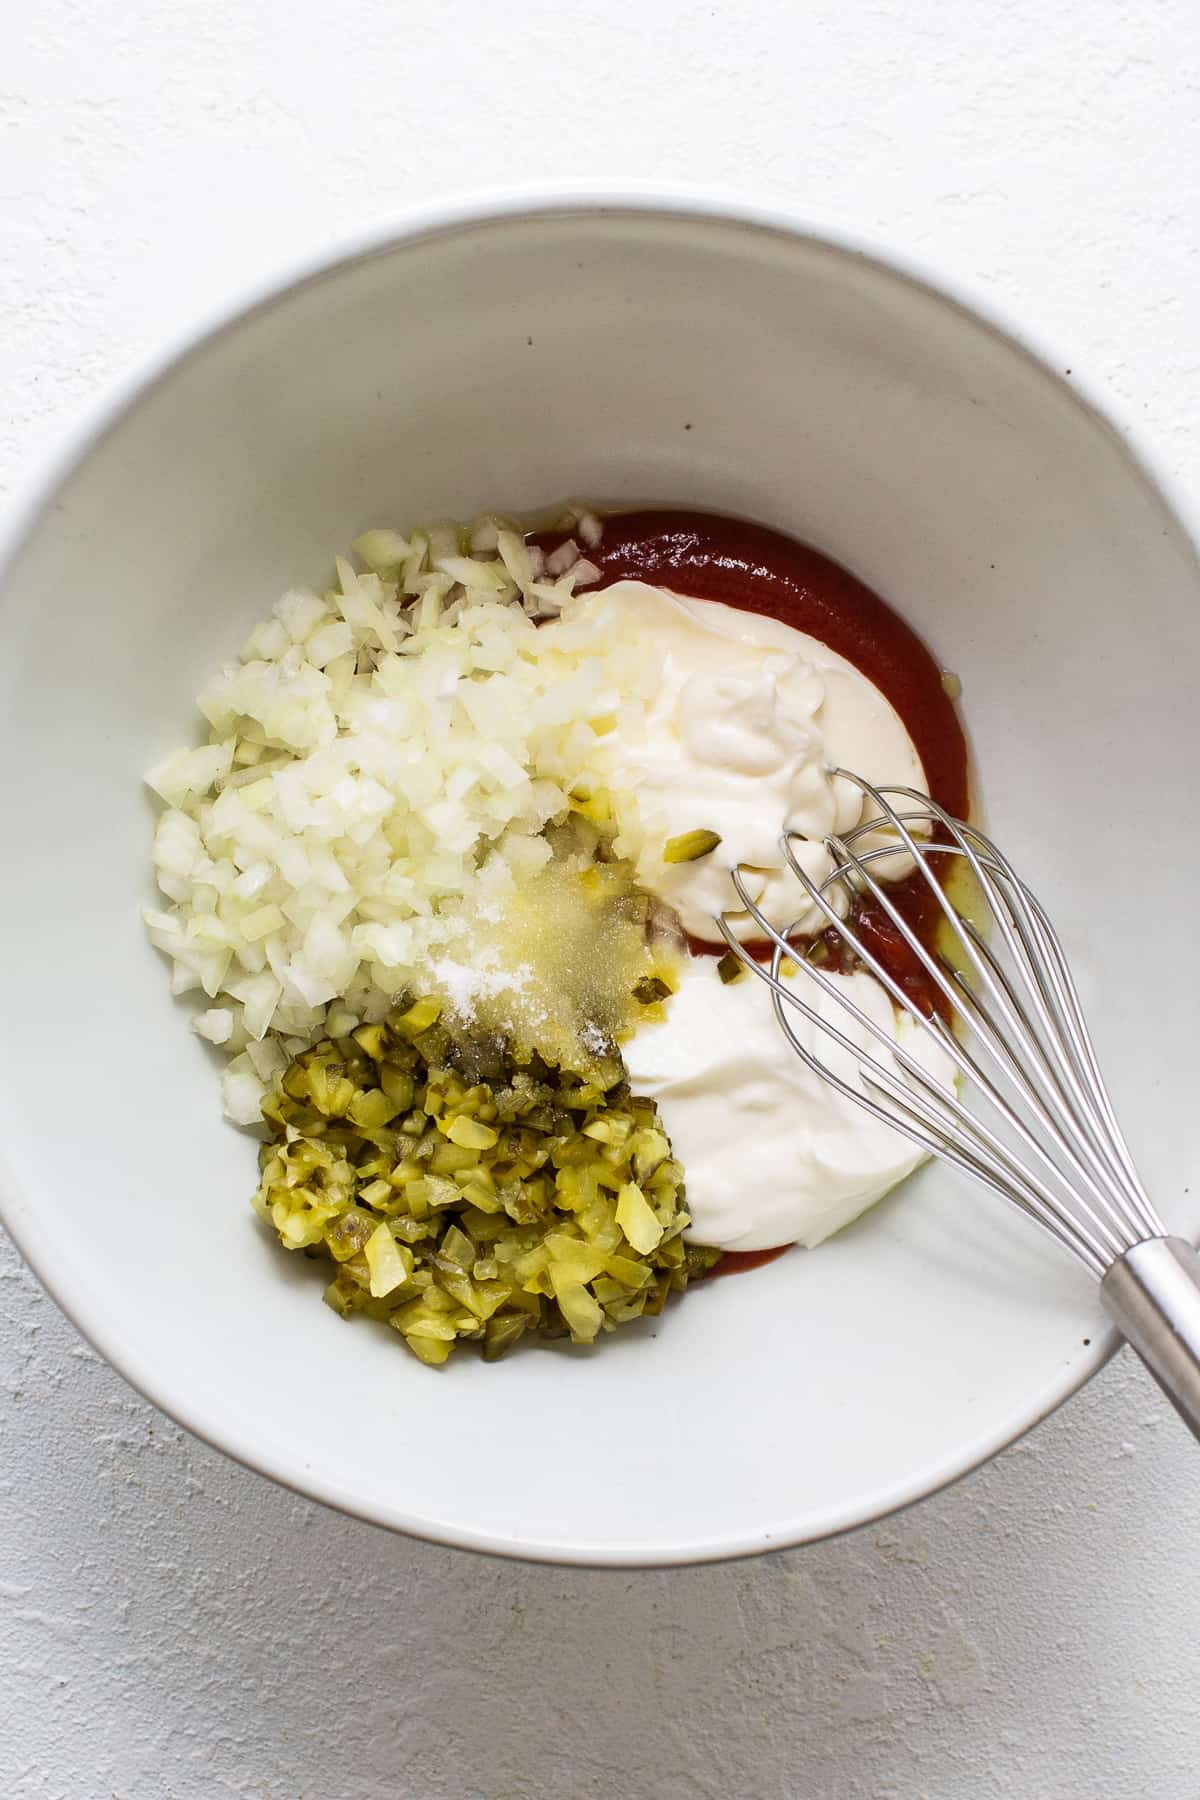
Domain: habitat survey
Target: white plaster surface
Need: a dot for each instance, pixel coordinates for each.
(172, 1628)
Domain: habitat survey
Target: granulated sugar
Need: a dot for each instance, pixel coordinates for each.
(463, 985)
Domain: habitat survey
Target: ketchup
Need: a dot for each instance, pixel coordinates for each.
(739, 1262)
(705, 556)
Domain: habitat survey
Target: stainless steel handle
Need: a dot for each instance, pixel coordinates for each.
(1153, 1294)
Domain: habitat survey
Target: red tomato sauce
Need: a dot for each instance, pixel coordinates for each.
(705, 556)
(740, 1262)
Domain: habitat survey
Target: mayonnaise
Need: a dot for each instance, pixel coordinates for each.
(740, 722)
(746, 720)
(772, 1154)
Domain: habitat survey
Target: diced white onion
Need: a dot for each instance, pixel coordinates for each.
(216, 1025)
(377, 754)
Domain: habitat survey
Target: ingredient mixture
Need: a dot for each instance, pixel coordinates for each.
(445, 875)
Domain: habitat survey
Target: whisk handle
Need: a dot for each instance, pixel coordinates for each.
(1153, 1295)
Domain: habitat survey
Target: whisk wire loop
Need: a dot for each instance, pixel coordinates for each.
(1097, 1237)
(1048, 1081)
(1057, 1153)
(1035, 947)
(979, 1151)
(1067, 1134)
(1039, 1074)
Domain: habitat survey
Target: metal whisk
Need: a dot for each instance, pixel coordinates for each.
(1048, 1140)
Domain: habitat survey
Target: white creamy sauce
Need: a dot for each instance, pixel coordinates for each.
(771, 1153)
(741, 726)
(746, 719)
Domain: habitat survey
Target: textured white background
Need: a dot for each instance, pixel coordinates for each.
(172, 1628)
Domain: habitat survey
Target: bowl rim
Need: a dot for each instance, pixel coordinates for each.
(71, 446)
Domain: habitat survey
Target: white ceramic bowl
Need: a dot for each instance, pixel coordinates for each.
(631, 352)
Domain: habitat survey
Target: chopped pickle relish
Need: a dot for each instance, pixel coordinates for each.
(462, 1195)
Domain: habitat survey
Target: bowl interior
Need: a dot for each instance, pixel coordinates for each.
(510, 362)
